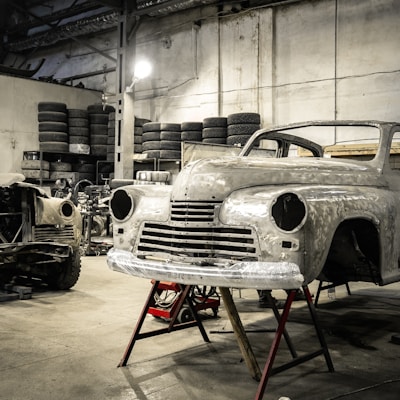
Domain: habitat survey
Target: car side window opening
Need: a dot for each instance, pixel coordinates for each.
(394, 158)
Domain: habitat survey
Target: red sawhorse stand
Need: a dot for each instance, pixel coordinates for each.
(173, 325)
(282, 319)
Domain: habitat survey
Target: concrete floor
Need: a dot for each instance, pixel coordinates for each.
(66, 345)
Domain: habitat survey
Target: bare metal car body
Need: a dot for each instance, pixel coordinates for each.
(39, 235)
(270, 222)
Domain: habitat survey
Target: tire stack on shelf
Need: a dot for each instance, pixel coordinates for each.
(138, 135)
(151, 144)
(214, 130)
(86, 170)
(61, 170)
(111, 137)
(98, 128)
(191, 131)
(34, 168)
(241, 126)
(78, 128)
(170, 141)
(53, 127)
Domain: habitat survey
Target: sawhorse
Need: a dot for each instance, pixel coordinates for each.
(183, 298)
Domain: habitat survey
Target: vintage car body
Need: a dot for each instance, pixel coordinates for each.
(39, 235)
(269, 222)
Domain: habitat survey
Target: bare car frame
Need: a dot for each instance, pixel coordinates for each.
(39, 235)
(279, 215)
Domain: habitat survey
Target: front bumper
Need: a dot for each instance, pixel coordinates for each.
(255, 275)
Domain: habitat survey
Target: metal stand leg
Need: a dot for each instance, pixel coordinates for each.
(268, 368)
(173, 326)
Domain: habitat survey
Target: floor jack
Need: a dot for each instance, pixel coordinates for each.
(165, 301)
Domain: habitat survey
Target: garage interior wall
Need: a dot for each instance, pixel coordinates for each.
(312, 59)
(19, 114)
(309, 60)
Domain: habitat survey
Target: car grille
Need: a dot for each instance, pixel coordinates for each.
(52, 234)
(192, 233)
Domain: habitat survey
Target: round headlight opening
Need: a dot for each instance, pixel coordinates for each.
(121, 204)
(288, 211)
(67, 209)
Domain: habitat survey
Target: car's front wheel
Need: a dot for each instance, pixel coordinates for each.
(67, 274)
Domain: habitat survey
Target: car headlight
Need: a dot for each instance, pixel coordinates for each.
(289, 212)
(67, 209)
(122, 205)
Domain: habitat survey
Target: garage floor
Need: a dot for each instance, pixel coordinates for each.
(66, 345)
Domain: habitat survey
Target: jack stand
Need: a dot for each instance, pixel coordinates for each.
(173, 325)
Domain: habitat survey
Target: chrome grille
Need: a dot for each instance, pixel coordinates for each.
(191, 234)
(193, 211)
(50, 233)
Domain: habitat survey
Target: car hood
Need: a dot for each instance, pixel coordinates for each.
(8, 179)
(214, 179)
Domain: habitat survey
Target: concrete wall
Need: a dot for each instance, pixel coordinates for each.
(19, 124)
(310, 60)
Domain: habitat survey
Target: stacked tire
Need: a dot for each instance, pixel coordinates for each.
(214, 130)
(60, 169)
(86, 169)
(241, 126)
(151, 145)
(170, 141)
(78, 129)
(98, 128)
(191, 131)
(111, 137)
(53, 127)
(34, 168)
(138, 135)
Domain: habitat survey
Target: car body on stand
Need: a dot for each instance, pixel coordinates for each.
(40, 236)
(282, 213)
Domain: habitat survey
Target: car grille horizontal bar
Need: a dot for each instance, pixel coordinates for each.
(193, 211)
(195, 241)
(51, 233)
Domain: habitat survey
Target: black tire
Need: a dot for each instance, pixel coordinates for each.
(84, 167)
(35, 164)
(194, 136)
(151, 136)
(216, 122)
(66, 274)
(138, 130)
(98, 119)
(244, 118)
(214, 133)
(53, 137)
(98, 139)
(237, 140)
(60, 166)
(170, 145)
(151, 145)
(141, 121)
(185, 315)
(100, 109)
(170, 154)
(98, 129)
(138, 148)
(191, 126)
(170, 135)
(242, 129)
(99, 150)
(151, 126)
(78, 131)
(78, 122)
(167, 126)
(138, 139)
(110, 140)
(78, 139)
(35, 173)
(77, 113)
(53, 127)
(110, 157)
(214, 140)
(111, 116)
(56, 147)
(152, 153)
(111, 132)
(52, 106)
(52, 116)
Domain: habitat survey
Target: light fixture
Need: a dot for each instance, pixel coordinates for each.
(142, 70)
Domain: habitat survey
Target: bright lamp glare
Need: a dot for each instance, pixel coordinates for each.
(142, 69)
